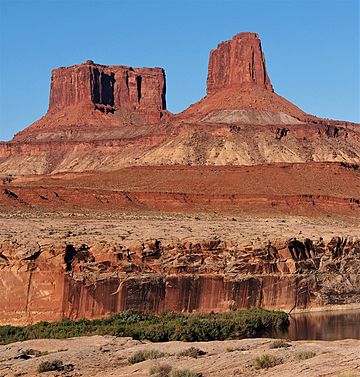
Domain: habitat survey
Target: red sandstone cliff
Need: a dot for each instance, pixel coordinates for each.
(96, 102)
(238, 80)
(237, 62)
(106, 117)
(109, 88)
(99, 278)
(90, 244)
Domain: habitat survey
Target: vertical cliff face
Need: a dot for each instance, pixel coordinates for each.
(70, 86)
(140, 89)
(237, 62)
(96, 279)
(109, 88)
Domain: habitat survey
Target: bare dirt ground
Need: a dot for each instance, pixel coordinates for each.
(245, 229)
(330, 179)
(317, 190)
(249, 205)
(107, 356)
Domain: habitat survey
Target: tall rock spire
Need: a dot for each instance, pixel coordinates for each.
(237, 62)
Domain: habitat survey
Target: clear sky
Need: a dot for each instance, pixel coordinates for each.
(311, 48)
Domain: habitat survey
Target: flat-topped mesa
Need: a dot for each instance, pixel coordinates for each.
(109, 88)
(237, 62)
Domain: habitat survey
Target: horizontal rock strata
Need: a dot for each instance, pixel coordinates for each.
(93, 280)
(107, 117)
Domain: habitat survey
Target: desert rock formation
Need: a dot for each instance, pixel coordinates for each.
(179, 238)
(279, 190)
(109, 88)
(237, 62)
(95, 279)
(107, 117)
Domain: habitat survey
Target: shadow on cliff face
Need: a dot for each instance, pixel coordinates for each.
(302, 251)
(70, 253)
(82, 254)
(156, 277)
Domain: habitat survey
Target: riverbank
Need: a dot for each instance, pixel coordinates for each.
(107, 356)
(156, 328)
(327, 308)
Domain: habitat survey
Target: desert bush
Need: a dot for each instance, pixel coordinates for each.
(304, 355)
(192, 352)
(266, 361)
(143, 355)
(47, 366)
(184, 373)
(35, 353)
(280, 343)
(241, 348)
(162, 370)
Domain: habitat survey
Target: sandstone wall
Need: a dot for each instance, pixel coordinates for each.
(240, 122)
(48, 282)
(109, 88)
(237, 62)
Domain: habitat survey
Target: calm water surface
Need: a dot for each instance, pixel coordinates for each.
(322, 326)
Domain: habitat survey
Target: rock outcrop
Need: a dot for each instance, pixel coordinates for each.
(96, 279)
(107, 117)
(237, 62)
(238, 80)
(111, 117)
(109, 88)
(105, 356)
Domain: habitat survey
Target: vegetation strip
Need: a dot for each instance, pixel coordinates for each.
(156, 328)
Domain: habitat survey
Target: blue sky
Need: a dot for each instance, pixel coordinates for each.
(311, 48)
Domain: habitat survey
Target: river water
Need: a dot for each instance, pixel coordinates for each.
(322, 326)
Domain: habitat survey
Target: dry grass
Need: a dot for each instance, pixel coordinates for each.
(304, 355)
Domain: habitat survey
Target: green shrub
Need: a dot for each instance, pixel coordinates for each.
(46, 366)
(192, 352)
(304, 355)
(265, 361)
(184, 373)
(156, 328)
(160, 370)
(140, 356)
(280, 343)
